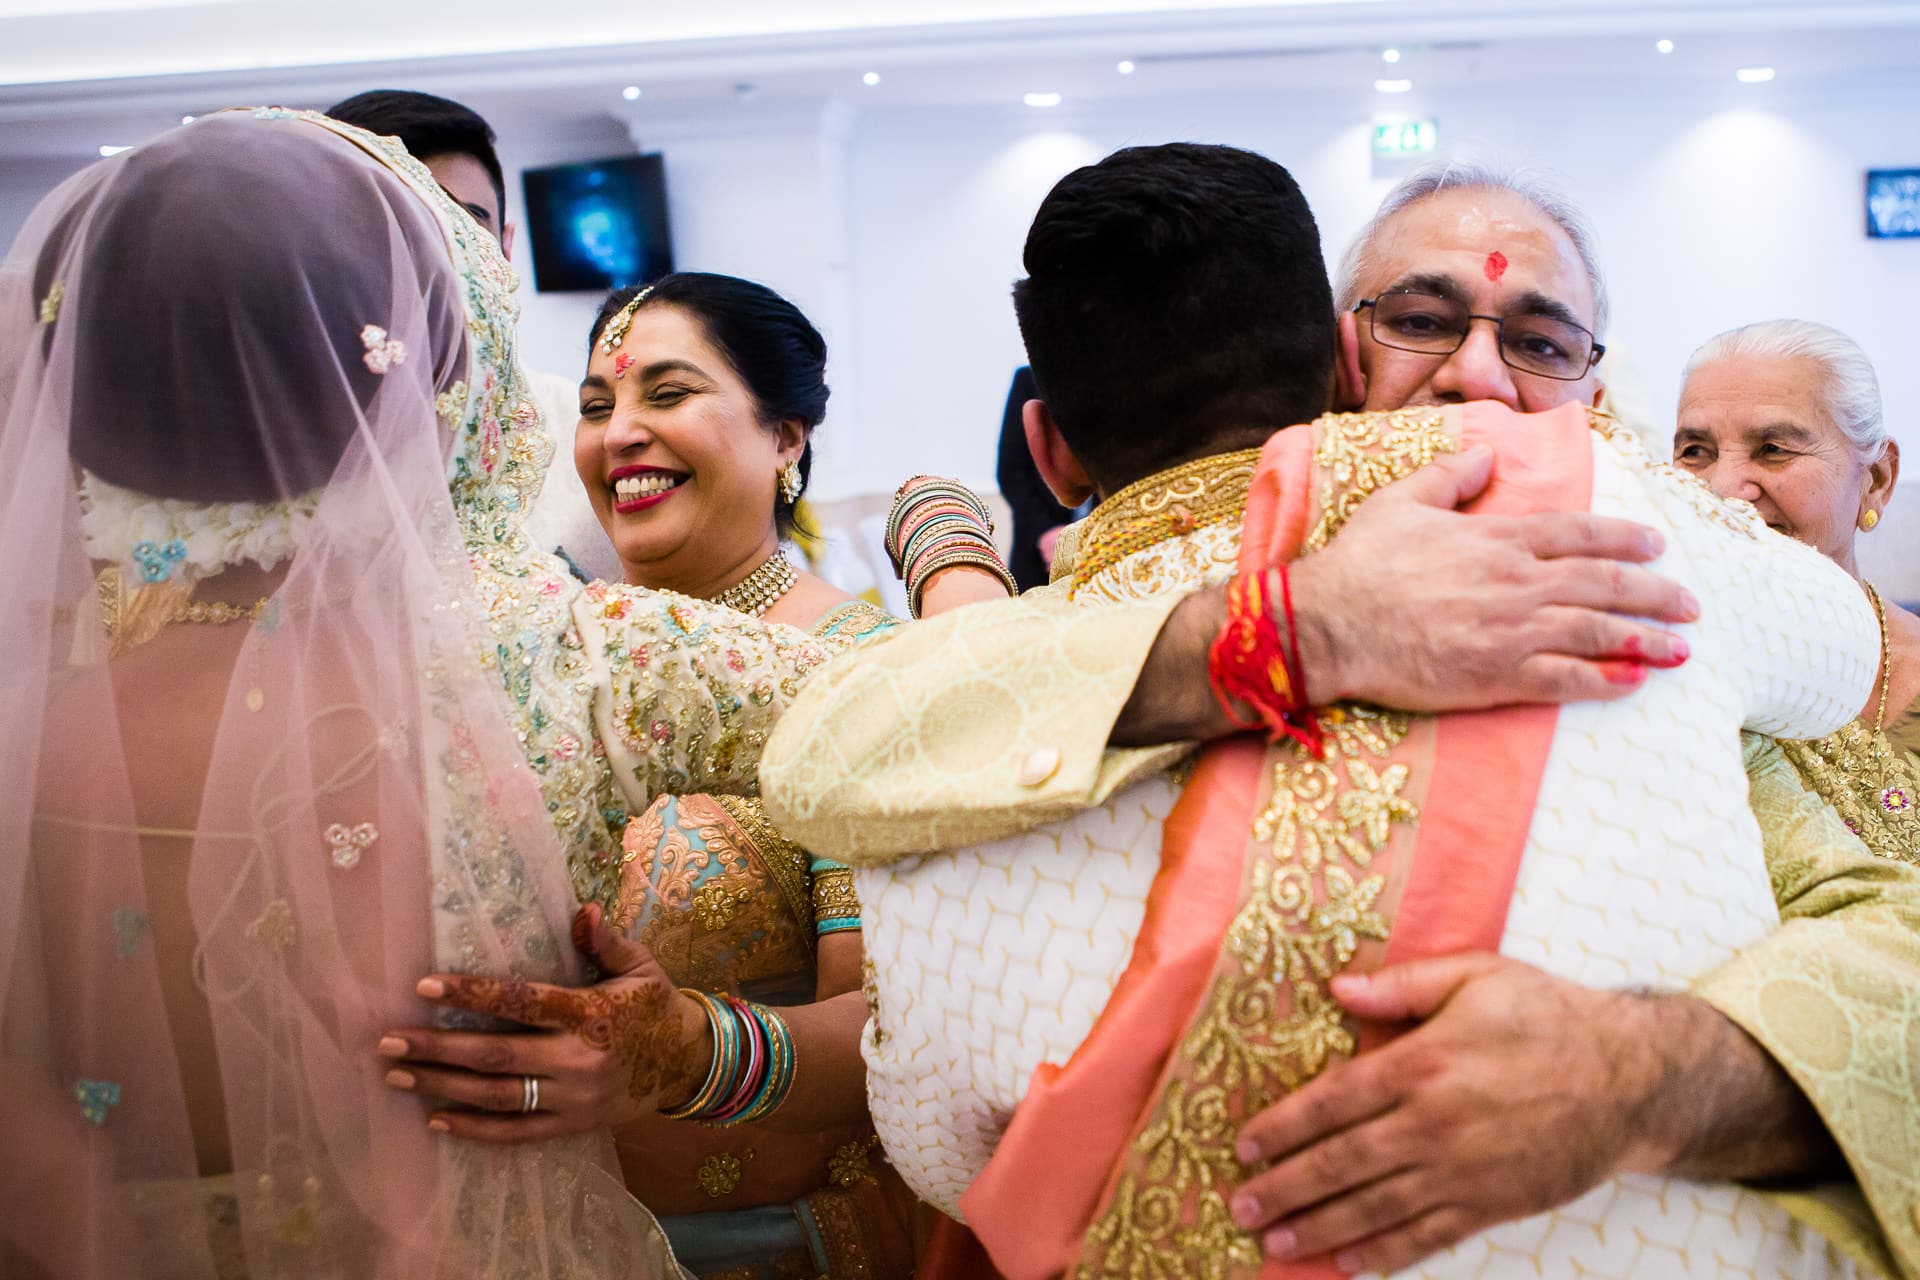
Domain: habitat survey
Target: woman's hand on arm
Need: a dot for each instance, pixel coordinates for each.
(600, 1055)
(609, 1054)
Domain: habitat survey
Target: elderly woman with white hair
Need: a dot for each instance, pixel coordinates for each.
(1786, 415)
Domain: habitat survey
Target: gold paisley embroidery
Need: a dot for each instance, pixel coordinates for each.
(786, 861)
(1268, 1024)
(1166, 505)
(1205, 556)
(1362, 453)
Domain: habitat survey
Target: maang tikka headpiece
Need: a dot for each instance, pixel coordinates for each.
(616, 331)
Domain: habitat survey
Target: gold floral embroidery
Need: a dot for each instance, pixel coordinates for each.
(1268, 1025)
(451, 404)
(720, 1173)
(850, 1166)
(1206, 555)
(714, 905)
(1168, 504)
(50, 305)
(1873, 785)
(1362, 453)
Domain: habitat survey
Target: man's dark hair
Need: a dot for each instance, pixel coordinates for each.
(1176, 305)
(428, 126)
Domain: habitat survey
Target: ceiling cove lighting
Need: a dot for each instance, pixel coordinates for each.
(1392, 86)
(631, 92)
(1663, 46)
(870, 79)
(1125, 66)
(1389, 55)
(1042, 99)
(1753, 75)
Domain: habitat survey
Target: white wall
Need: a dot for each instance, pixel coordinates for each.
(1712, 210)
(900, 232)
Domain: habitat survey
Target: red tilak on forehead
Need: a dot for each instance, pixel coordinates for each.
(622, 363)
(1496, 266)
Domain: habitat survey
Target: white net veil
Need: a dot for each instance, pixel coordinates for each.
(263, 359)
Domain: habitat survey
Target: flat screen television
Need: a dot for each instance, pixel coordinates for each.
(1893, 203)
(599, 225)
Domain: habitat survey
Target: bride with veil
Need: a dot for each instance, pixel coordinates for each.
(294, 714)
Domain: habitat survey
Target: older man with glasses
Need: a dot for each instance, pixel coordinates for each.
(1475, 284)
(1471, 285)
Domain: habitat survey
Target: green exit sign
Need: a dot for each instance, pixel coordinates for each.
(1405, 138)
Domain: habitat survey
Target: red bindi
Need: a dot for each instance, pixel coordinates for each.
(1496, 266)
(622, 363)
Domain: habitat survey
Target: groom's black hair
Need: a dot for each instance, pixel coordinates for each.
(1176, 305)
(428, 126)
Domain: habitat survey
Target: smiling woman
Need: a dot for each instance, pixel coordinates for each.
(700, 395)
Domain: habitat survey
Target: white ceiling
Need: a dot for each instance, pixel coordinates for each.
(78, 74)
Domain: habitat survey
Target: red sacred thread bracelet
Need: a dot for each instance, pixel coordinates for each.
(1250, 663)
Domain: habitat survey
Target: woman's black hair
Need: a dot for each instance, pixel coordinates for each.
(771, 346)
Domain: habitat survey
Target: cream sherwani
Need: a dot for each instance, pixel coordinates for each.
(1642, 867)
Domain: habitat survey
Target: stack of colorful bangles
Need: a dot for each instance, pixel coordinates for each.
(938, 524)
(752, 1063)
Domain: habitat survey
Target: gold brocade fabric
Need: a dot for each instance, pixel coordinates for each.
(1873, 785)
(728, 904)
(1312, 897)
(1832, 997)
(1359, 454)
(1164, 506)
(1315, 893)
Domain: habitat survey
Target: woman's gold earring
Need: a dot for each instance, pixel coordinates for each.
(790, 482)
(1869, 519)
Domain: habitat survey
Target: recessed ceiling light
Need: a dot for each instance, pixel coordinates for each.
(1125, 66)
(1663, 46)
(186, 119)
(1042, 99)
(108, 150)
(1392, 86)
(870, 79)
(631, 92)
(1389, 55)
(1753, 75)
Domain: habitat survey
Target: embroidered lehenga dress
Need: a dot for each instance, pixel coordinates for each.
(235, 832)
(729, 905)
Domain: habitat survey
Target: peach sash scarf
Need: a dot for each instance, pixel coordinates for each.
(1277, 872)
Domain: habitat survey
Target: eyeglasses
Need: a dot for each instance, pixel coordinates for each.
(1438, 326)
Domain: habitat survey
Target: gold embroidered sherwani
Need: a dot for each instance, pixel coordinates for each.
(971, 728)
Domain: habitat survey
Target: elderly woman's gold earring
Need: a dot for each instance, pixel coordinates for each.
(790, 482)
(1868, 519)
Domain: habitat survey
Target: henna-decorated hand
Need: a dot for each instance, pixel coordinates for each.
(606, 1055)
